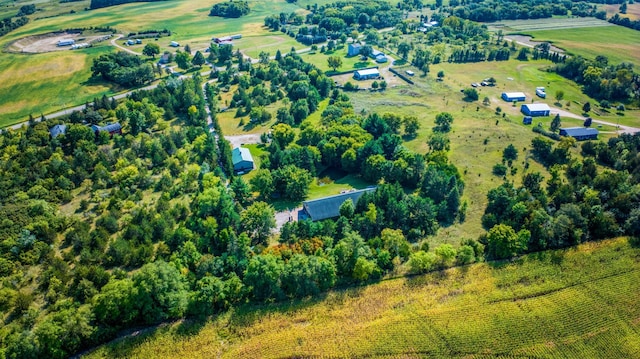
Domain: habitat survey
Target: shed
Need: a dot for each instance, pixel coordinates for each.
(527, 120)
(366, 74)
(580, 133)
(353, 49)
(58, 130)
(174, 44)
(329, 207)
(535, 109)
(242, 159)
(513, 96)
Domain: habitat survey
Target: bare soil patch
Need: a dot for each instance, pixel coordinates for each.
(49, 42)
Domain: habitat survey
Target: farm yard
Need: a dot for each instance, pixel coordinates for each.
(544, 305)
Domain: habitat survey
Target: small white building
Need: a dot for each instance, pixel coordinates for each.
(174, 44)
(66, 42)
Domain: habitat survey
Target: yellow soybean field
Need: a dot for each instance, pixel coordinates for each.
(576, 303)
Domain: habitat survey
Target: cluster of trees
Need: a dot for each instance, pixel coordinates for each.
(97, 4)
(494, 10)
(123, 68)
(600, 79)
(625, 21)
(580, 201)
(9, 24)
(337, 20)
(231, 9)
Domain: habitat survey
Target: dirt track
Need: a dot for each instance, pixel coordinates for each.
(49, 42)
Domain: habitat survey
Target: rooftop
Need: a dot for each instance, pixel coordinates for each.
(240, 154)
(514, 94)
(579, 131)
(368, 72)
(537, 107)
(329, 207)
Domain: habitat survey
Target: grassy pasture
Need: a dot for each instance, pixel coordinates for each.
(44, 82)
(544, 305)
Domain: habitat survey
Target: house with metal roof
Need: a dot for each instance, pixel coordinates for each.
(536, 109)
(112, 128)
(329, 207)
(513, 96)
(580, 133)
(58, 130)
(242, 159)
(366, 74)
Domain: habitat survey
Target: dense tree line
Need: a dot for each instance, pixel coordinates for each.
(600, 79)
(625, 21)
(123, 68)
(495, 10)
(232, 9)
(97, 4)
(579, 202)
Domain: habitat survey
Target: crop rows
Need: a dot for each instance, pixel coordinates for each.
(551, 24)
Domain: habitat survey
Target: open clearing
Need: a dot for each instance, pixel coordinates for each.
(545, 305)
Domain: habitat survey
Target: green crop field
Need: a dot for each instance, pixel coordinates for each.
(544, 305)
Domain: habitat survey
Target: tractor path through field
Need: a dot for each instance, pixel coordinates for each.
(114, 42)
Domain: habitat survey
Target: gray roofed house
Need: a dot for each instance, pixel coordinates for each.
(58, 130)
(242, 159)
(329, 207)
(112, 128)
(580, 133)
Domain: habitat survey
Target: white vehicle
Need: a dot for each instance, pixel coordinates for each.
(410, 73)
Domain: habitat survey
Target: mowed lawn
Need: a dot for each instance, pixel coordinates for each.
(557, 304)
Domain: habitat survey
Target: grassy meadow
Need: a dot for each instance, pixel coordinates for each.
(41, 83)
(544, 305)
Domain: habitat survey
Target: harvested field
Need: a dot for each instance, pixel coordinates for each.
(49, 42)
(547, 24)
